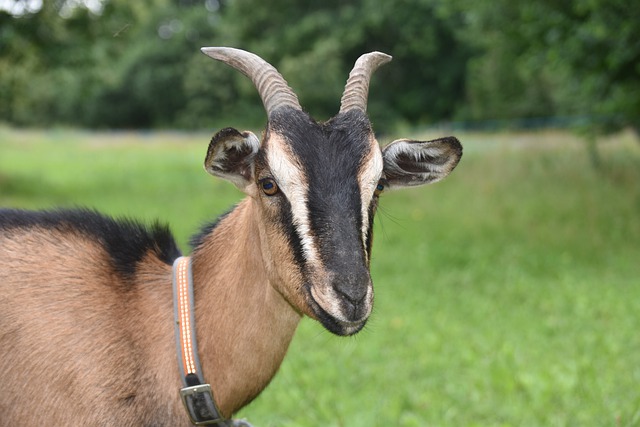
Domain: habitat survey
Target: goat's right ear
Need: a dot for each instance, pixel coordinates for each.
(230, 156)
(408, 163)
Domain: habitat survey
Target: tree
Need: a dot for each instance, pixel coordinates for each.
(123, 67)
(545, 58)
(316, 44)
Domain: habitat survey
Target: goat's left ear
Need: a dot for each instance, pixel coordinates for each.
(408, 163)
(230, 156)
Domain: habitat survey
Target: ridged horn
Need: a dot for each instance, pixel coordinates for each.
(356, 91)
(272, 87)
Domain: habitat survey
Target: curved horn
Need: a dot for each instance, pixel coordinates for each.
(356, 90)
(272, 87)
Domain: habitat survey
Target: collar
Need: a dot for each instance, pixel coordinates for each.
(196, 394)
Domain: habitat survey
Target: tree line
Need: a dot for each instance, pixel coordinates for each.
(123, 64)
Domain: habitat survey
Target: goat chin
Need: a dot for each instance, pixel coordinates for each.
(331, 312)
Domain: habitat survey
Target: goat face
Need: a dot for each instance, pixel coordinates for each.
(317, 186)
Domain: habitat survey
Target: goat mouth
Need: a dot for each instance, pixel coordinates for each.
(332, 323)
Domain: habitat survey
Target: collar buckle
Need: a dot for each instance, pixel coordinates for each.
(200, 406)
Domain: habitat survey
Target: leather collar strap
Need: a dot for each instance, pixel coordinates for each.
(196, 394)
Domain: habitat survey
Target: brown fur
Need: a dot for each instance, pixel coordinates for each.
(77, 347)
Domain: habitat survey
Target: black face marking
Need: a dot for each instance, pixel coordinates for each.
(126, 241)
(372, 211)
(331, 155)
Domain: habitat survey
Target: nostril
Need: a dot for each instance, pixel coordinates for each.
(353, 298)
(352, 295)
(352, 286)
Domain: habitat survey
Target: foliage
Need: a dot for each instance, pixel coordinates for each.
(317, 46)
(137, 64)
(578, 58)
(507, 295)
(134, 67)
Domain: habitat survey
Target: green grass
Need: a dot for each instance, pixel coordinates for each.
(506, 295)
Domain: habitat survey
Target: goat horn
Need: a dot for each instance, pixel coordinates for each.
(272, 87)
(356, 90)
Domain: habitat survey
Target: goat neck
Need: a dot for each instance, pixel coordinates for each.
(244, 325)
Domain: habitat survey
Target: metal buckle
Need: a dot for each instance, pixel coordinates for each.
(200, 406)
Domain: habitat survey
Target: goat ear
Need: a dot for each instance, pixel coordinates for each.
(408, 163)
(230, 156)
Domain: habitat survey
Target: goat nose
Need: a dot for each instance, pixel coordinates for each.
(353, 294)
(353, 291)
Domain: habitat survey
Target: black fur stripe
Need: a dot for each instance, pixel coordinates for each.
(125, 240)
(330, 155)
(369, 240)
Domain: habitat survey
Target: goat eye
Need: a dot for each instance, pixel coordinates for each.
(269, 186)
(379, 189)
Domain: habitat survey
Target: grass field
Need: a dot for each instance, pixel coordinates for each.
(506, 295)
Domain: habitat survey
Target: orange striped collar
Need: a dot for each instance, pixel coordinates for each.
(196, 394)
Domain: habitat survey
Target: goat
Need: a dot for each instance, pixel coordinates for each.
(86, 326)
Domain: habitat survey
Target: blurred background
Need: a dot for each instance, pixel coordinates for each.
(479, 64)
(506, 295)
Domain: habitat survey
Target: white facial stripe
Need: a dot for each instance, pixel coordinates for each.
(369, 175)
(293, 184)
